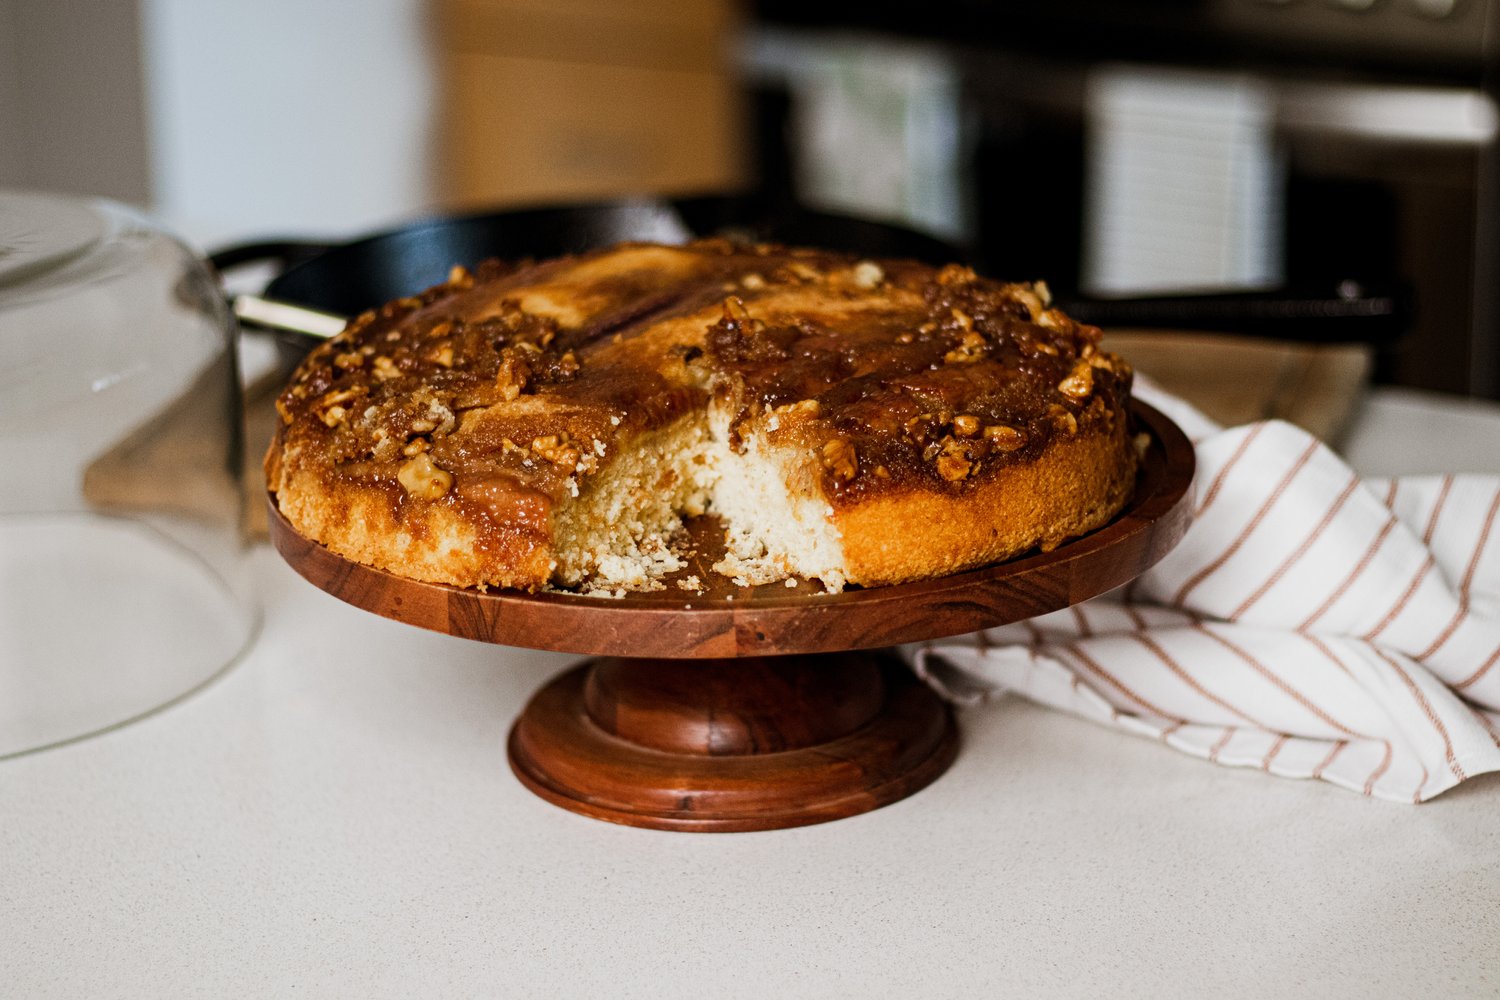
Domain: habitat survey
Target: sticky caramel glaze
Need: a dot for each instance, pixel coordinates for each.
(476, 371)
(495, 395)
(935, 378)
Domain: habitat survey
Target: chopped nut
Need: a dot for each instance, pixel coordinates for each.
(348, 359)
(954, 465)
(567, 365)
(1054, 320)
(801, 408)
(840, 458)
(955, 274)
(966, 425)
(969, 350)
(1003, 438)
(1031, 300)
(1079, 384)
(422, 479)
(334, 415)
(337, 396)
(867, 275)
(557, 450)
(436, 417)
(385, 368)
(754, 282)
(735, 311)
(905, 338)
(1043, 291)
(964, 320)
(1063, 419)
(415, 447)
(459, 276)
(385, 446)
(513, 374)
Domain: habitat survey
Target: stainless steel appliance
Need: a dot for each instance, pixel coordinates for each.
(1145, 145)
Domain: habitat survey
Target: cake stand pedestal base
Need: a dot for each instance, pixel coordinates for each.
(755, 743)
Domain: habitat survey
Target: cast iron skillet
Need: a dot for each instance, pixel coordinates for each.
(347, 278)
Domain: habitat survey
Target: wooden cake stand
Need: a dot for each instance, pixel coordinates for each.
(739, 708)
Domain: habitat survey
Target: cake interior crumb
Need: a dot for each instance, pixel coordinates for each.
(620, 534)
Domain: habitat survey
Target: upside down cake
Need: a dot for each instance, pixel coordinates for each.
(850, 420)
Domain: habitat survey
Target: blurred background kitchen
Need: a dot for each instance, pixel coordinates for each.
(1110, 146)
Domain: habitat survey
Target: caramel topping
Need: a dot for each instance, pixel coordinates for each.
(932, 376)
(888, 372)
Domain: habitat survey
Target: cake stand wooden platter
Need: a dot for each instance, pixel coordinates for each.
(736, 708)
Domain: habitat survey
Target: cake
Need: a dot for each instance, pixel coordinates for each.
(851, 421)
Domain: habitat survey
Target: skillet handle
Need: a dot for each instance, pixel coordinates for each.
(279, 317)
(1350, 312)
(286, 253)
(285, 317)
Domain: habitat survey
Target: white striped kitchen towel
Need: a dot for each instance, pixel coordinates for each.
(1311, 623)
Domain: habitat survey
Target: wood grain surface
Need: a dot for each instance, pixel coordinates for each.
(730, 745)
(729, 621)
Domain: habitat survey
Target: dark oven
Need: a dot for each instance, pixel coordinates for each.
(1146, 146)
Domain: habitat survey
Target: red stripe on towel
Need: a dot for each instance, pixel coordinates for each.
(1301, 551)
(1249, 528)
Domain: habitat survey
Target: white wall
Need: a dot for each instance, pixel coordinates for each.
(276, 117)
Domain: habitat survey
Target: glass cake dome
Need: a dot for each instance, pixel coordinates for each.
(122, 530)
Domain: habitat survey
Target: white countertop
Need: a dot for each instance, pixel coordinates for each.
(334, 817)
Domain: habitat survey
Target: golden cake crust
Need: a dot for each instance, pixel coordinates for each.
(935, 420)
